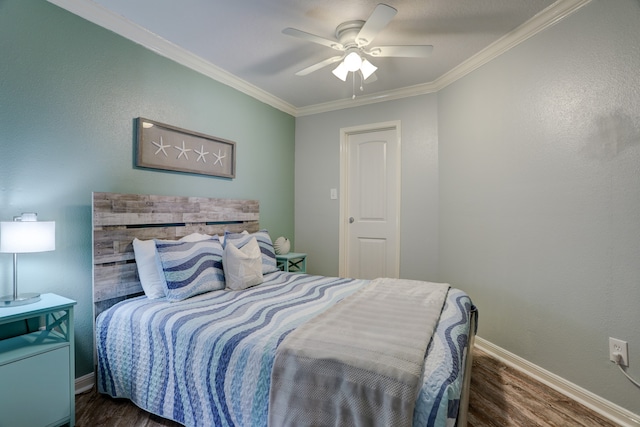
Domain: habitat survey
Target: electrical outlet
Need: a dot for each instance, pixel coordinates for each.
(619, 346)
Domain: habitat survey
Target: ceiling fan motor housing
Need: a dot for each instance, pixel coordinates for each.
(347, 32)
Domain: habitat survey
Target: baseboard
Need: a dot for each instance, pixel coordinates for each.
(603, 407)
(85, 383)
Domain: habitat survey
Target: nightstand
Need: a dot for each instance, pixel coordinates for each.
(292, 262)
(37, 369)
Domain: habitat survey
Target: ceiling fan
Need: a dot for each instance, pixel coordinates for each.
(354, 39)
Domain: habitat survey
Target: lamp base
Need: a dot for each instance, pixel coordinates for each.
(22, 299)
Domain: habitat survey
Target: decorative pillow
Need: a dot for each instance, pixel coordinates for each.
(195, 237)
(266, 247)
(221, 237)
(191, 268)
(242, 267)
(150, 268)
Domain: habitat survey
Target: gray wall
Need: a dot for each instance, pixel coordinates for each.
(69, 94)
(318, 170)
(536, 208)
(540, 196)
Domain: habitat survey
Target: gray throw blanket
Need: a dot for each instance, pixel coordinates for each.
(359, 363)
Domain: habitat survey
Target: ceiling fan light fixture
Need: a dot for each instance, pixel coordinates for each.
(341, 72)
(354, 43)
(353, 61)
(367, 69)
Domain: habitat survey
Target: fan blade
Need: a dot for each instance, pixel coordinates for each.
(379, 19)
(319, 65)
(333, 44)
(401, 51)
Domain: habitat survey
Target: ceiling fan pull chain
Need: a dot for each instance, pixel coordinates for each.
(353, 85)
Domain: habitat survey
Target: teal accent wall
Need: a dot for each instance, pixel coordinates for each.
(69, 95)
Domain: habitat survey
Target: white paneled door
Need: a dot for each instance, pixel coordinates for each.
(370, 202)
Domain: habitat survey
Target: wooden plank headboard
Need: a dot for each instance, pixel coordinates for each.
(119, 218)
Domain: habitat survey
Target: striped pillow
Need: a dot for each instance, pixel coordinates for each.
(266, 247)
(191, 268)
(149, 265)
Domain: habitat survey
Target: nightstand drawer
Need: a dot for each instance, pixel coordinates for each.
(39, 393)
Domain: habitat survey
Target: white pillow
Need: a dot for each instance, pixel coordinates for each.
(149, 269)
(149, 266)
(269, 264)
(242, 267)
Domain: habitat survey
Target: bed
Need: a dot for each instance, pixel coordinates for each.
(228, 357)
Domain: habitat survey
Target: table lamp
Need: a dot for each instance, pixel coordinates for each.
(23, 235)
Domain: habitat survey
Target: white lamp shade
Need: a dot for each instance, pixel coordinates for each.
(341, 71)
(27, 236)
(367, 69)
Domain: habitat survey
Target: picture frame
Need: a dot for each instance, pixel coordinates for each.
(165, 147)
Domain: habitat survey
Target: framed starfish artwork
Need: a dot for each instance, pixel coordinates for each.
(165, 147)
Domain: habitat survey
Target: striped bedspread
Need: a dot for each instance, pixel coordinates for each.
(360, 361)
(207, 361)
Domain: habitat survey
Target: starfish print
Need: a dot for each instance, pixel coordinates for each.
(161, 147)
(183, 151)
(201, 154)
(219, 157)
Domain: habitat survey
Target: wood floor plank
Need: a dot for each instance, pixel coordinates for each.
(500, 396)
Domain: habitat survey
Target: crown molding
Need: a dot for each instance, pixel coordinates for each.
(543, 20)
(103, 17)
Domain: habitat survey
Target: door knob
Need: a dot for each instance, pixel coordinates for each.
(351, 220)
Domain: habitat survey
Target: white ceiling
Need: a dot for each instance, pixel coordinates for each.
(241, 42)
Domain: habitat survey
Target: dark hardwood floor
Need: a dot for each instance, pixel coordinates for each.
(500, 396)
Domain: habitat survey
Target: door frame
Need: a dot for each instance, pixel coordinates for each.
(343, 250)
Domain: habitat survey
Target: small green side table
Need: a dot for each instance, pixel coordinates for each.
(37, 369)
(293, 262)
